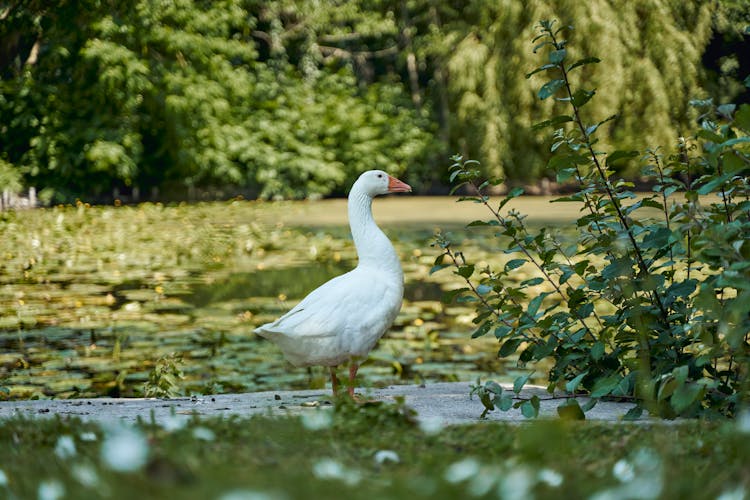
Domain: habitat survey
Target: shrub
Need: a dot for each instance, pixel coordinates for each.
(653, 309)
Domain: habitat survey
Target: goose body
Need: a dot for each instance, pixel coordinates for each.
(342, 320)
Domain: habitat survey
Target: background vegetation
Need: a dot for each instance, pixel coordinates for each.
(289, 98)
(651, 301)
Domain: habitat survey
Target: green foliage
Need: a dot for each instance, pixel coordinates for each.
(10, 177)
(651, 302)
(164, 379)
(183, 95)
(653, 51)
(291, 98)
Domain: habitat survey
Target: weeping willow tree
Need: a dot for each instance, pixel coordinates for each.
(651, 52)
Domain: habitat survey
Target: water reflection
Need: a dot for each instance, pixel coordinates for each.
(292, 282)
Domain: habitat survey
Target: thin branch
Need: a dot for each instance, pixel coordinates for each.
(504, 223)
(607, 185)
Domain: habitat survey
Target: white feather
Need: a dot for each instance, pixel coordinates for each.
(344, 318)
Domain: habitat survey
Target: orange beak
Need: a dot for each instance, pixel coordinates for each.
(396, 186)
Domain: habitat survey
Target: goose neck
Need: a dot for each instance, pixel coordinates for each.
(373, 247)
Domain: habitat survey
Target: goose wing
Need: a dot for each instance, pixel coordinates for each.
(333, 308)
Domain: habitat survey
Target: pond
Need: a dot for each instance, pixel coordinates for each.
(91, 298)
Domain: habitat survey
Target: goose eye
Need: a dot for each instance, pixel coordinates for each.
(380, 176)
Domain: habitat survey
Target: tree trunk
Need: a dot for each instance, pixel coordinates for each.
(411, 58)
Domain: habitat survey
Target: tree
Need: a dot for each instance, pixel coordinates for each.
(178, 95)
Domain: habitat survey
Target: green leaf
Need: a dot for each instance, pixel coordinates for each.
(736, 140)
(726, 109)
(438, 267)
(710, 136)
(465, 271)
(502, 330)
(582, 96)
(580, 267)
(557, 56)
(568, 272)
(733, 162)
(617, 156)
(571, 410)
(541, 68)
(486, 400)
(509, 347)
(450, 295)
(714, 183)
(515, 192)
(565, 174)
(573, 383)
(589, 404)
(593, 128)
(530, 408)
(505, 403)
(483, 289)
(538, 280)
(477, 223)
(514, 264)
(742, 117)
(685, 395)
(585, 60)
(550, 88)
(558, 120)
(535, 303)
(604, 386)
(520, 382)
(634, 413)
(482, 330)
(493, 387)
(597, 350)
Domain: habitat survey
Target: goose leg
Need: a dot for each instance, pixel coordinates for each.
(334, 380)
(353, 367)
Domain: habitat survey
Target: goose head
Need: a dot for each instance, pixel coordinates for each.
(377, 182)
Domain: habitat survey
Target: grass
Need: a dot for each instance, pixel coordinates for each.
(372, 452)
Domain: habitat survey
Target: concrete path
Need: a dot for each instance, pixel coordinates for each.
(444, 403)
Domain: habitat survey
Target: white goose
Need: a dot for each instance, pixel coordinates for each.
(341, 320)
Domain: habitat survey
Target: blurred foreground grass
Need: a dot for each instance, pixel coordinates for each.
(367, 452)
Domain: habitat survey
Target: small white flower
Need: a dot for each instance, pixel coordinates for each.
(331, 469)
(431, 425)
(65, 447)
(317, 420)
(623, 471)
(736, 494)
(204, 434)
(86, 475)
(461, 470)
(743, 421)
(249, 495)
(87, 436)
(383, 456)
(482, 483)
(517, 484)
(174, 422)
(3, 478)
(124, 449)
(550, 477)
(50, 490)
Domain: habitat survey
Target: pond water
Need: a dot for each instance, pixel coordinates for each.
(92, 298)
